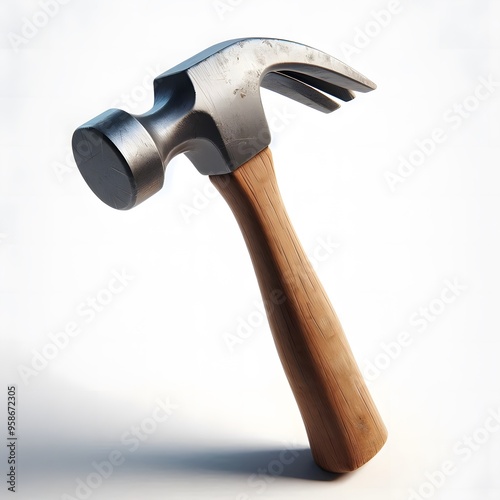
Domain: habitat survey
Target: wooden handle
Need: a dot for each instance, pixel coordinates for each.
(343, 425)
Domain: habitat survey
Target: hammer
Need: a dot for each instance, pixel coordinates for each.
(209, 108)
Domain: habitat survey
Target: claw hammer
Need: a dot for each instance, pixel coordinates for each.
(209, 108)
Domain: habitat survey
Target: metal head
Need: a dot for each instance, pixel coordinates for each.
(208, 107)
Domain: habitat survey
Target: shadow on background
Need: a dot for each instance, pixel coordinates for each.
(272, 463)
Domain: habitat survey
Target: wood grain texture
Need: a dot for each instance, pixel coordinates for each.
(343, 425)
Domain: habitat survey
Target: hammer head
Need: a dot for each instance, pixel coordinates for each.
(208, 107)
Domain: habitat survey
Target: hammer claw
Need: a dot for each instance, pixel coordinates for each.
(293, 88)
(340, 92)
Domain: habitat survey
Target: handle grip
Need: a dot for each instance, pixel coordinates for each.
(342, 423)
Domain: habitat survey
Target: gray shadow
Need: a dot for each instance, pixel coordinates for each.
(275, 462)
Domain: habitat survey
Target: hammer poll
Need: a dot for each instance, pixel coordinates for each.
(209, 108)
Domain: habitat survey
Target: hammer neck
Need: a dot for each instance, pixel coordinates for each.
(166, 121)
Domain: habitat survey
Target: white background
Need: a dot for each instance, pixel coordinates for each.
(165, 335)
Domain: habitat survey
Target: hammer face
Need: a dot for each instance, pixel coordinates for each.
(118, 159)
